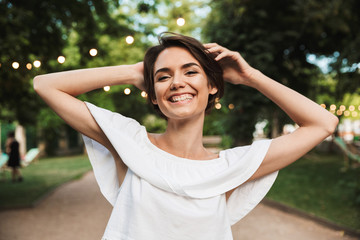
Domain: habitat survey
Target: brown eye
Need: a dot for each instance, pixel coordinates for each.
(191, 73)
(162, 78)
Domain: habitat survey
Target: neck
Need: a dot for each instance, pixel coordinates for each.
(183, 138)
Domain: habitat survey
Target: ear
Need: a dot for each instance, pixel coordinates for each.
(212, 90)
(154, 101)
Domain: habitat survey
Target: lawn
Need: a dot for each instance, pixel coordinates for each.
(39, 179)
(315, 184)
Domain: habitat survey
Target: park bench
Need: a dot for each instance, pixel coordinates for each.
(30, 156)
(351, 153)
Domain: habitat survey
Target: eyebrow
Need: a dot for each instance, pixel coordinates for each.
(186, 65)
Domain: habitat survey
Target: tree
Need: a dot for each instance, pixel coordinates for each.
(277, 37)
(38, 30)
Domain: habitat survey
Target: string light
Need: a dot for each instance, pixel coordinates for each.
(15, 65)
(332, 107)
(352, 108)
(61, 59)
(180, 21)
(354, 114)
(339, 112)
(231, 106)
(129, 40)
(218, 105)
(323, 105)
(107, 88)
(37, 63)
(127, 91)
(342, 108)
(93, 52)
(347, 113)
(143, 94)
(29, 66)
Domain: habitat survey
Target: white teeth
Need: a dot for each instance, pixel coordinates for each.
(179, 98)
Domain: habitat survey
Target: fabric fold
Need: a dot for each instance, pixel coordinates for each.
(208, 178)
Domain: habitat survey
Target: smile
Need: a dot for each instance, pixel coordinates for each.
(180, 98)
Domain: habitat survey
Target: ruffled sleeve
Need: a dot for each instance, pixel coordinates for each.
(247, 196)
(185, 177)
(102, 161)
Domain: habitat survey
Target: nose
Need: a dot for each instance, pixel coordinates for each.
(177, 82)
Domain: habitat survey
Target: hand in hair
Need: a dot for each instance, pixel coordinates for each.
(139, 81)
(235, 69)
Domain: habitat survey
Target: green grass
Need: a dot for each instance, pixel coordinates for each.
(40, 178)
(315, 184)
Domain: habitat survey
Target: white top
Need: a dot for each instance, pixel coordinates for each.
(165, 197)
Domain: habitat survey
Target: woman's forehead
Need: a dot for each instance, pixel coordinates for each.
(173, 56)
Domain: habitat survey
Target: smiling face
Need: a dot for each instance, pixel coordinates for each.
(181, 85)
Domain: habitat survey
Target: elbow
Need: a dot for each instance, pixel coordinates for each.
(38, 84)
(332, 124)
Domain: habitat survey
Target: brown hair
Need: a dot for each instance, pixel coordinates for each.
(211, 67)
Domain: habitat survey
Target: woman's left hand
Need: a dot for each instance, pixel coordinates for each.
(235, 69)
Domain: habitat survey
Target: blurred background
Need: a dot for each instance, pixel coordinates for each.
(312, 46)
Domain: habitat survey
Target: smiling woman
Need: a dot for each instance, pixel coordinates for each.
(171, 177)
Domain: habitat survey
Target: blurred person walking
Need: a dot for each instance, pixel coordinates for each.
(12, 149)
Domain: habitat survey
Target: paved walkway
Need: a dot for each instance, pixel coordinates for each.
(77, 211)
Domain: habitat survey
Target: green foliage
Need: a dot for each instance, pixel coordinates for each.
(277, 37)
(154, 123)
(39, 30)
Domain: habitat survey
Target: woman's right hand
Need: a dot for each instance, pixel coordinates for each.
(139, 79)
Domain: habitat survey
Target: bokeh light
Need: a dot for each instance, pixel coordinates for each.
(127, 91)
(61, 59)
(93, 52)
(107, 88)
(143, 94)
(37, 63)
(15, 65)
(129, 39)
(180, 21)
(29, 66)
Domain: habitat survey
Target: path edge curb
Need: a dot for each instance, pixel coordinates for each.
(285, 208)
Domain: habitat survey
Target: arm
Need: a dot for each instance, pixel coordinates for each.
(59, 91)
(315, 123)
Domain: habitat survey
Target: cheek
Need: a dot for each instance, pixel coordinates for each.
(158, 92)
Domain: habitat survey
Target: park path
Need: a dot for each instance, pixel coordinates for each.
(77, 211)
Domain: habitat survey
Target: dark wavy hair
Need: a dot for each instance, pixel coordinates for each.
(211, 67)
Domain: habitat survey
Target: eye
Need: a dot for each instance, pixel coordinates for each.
(162, 78)
(191, 72)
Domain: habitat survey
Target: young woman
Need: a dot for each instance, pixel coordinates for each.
(168, 186)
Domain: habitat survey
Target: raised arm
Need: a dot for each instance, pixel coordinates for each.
(59, 91)
(315, 123)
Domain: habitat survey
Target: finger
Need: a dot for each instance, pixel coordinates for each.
(209, 45)
(218, 49)
(221, 56)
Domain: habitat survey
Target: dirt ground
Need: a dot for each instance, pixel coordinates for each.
(77, 210)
